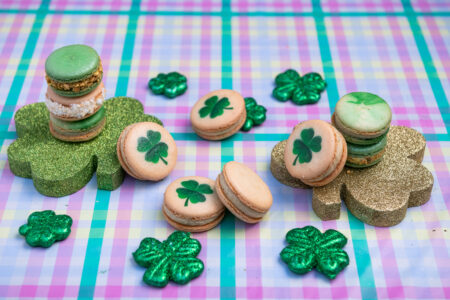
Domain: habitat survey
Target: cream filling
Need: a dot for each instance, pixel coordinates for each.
(236, 202)
(217, 133)
(75, 110)
(188, 222)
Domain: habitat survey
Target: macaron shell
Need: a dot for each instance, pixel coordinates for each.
(225, 134)
(119, 153)
(365, 150)
(231, 115)
(362, 140)
(72, 94)
(320, 160)
(249, 188)
(200, 228)
(82, 136)
(186, 209)
(362, 161)
(136, 161)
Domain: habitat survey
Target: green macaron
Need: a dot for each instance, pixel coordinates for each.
(361, 156)
(80, 125)
(73, 70)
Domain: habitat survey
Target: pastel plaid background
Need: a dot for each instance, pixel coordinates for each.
(399, 50)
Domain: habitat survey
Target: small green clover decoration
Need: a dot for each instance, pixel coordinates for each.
(256, 114)
(174, 259)
(193, 191)
(170, 85)
(301, 90)
(154, 148)
(214, 107)
(306, 145)
(44, 228)
(308, 248)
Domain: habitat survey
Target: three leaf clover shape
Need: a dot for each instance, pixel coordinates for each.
(308, 248)
(174, 259)
(300, 89)
(170, 85)
(44, 228)
(214, 107)
(256, 114)
(154, 148)
(304, 146)
(193, 191)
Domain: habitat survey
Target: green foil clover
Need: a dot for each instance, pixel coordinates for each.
(306, 145)
(60, 168)
(193, 191)
(171, 85)
(153, 147)
(256, 114)
(174, 259)
(308, 249)
(301, 90)
(44, 228)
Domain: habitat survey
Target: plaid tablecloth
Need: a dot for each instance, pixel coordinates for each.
(398, 50)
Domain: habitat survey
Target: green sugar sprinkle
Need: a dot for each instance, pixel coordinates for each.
(61, 168)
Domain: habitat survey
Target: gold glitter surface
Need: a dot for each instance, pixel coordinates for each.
(378, 195)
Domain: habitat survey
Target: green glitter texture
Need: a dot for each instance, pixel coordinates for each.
(60, 168)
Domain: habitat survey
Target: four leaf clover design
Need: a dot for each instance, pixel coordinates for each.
(154, 148)
(214, 107)
(44, 228)
(193, 191)
(300, 89)
(365, 99)
(307, 144)
(308, 248)
(256, 114)
(170, 85)
(174, 259)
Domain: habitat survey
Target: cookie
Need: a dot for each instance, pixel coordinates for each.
(243, 192)
(73, 70)
(191, 204)
(315, 152)
(218, 115)
(78, 131)
(147, 151)
(365, 155)
(70, 109)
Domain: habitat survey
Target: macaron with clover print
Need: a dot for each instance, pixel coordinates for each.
(147, 151)
(218, 114)
(315, 152)
(191, 204)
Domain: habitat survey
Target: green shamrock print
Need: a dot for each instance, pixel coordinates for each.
(301, 90)
(174, 259)
(256, 114)
(170, 85)
(154, 148)
(365, 99)
(193, 191)
(304, 146)
(308, 248)
(214, 107)
(44, 228)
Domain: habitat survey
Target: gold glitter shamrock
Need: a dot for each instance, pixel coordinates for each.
(174, 259)
(44, 228)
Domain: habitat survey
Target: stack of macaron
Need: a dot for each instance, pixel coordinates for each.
(315, 152)
(75, 93)
(198, 204)
(364, 120)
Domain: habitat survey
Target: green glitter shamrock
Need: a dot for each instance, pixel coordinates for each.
(304, 146)
(174, 259)
(59, 168)
(214, 107)
(44, 228)
(193, 191)
(301, 90)
(308, 248)
(256, 114)
(171, 85)
(155, 150)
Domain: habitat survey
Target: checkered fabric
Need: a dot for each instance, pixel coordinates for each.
(396, 49)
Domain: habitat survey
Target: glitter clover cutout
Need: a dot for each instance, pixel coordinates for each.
(308, 249)
(171, 85)
(300, 89)
(174, 259)
(44, 228)
(256, 114)
(60, 168)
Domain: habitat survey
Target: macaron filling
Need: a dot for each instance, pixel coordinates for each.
(235, 126)
(189, 221)
(81, 125)
(78, 86)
